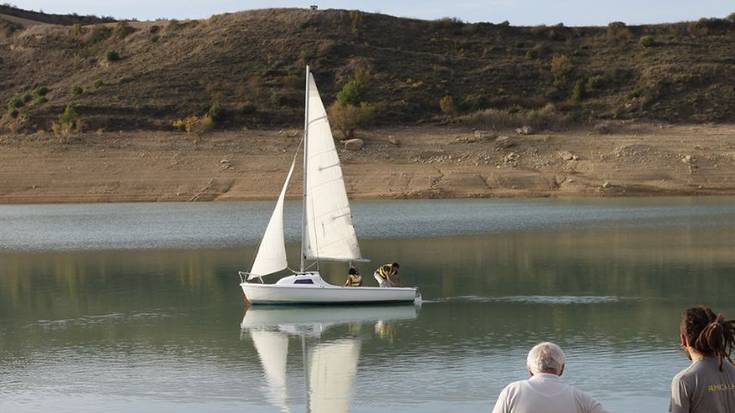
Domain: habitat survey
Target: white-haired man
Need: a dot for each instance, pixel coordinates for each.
(544, 392)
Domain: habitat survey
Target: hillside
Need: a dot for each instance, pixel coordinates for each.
(251, 63)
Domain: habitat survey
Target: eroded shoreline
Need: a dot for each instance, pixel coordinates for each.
(425, 162)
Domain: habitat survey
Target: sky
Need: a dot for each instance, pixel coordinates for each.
(518, 12)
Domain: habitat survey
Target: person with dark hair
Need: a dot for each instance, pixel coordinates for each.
(354, 279)
(708, 384)
(387, 275)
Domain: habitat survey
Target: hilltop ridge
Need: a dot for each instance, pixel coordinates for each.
(251, 64)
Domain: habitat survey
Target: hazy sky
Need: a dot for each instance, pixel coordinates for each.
(518, 12)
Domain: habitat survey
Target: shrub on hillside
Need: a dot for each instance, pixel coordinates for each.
(446, 104)
(731, 17)
(347, 117)
(595, 84)
(561, 69)
(579, 92)
(77, 90)
(123, 30)
(618, 32)
(99, 83)
(77, 30)
(540, 119)
(99, 33)
(647, 41)
(248, 108)
(15, 103)
(40, 91)
(67, 123)
(195, 124)
(356, 21)
(112, 56)
(353, 92)
(215, 112)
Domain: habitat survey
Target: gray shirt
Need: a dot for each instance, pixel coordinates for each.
(545, 393)
(703, 388)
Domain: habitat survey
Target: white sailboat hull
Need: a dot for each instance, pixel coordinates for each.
(324, 293)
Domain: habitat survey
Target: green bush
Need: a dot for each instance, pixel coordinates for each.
(647, 41)
(15, 103)
(27, 97)
(112, 56)
(77, 90)
(13, 113)
(67, 122)
(40, 100)
(99, 83)
(41, 91)
(353, 92)
(731, 17)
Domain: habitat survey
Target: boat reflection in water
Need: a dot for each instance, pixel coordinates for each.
(330, 364)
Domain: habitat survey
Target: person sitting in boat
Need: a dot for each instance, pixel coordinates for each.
(387, 275)
(354, 279)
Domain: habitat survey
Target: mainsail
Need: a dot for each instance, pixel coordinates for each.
(329, 234)
(271, 256)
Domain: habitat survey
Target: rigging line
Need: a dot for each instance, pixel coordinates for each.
(255, 253)
(311, 122)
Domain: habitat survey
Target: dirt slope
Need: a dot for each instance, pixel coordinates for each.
(252, 63)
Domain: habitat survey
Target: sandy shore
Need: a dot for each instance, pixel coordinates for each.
(394, 163)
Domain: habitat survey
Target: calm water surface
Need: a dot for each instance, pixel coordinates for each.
(136, 307)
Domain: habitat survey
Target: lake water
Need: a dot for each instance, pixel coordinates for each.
(136, 307)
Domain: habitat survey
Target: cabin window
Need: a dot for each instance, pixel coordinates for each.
(303, 282)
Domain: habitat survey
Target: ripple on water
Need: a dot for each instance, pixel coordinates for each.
(536, 299)
(92, 320)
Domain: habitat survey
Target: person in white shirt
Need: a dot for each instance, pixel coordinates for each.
(544, 392)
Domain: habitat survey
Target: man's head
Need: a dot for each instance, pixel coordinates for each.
(546, 358)
(395, 266)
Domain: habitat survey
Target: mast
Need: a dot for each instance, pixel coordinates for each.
(306, 139)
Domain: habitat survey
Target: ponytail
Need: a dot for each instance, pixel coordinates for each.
(708, 333)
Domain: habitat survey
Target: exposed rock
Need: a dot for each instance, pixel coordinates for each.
(566, 155)
(354, 144)
(525, 130)
(481, 134)
(603, 128)
(606, 184)
(504, 142)
(393, 140)
(688, 159)
(512, 157)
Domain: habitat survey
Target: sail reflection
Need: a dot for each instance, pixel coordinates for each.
(330, 358)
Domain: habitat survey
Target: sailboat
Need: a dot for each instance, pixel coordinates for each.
(327, 233)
